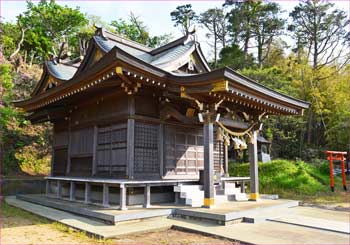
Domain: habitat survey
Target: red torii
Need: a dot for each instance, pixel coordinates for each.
(338, 156)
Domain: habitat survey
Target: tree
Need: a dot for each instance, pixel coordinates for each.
(257, 21)
(267, 26)
(135, 30)
(48, 24)
(214, 20)
(234, 57)
(322, 30)
(184, 17)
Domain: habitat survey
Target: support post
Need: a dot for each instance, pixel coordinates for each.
(147, 196)
(253, 160)
(208, 163)
(226, 160)
(243, 186)
(87, 198)
(72, 191)
(59, 189)
(130, 150)
(343, 159)
(94, 152)
(161, 150)
(122, 197)
(105, 197)
(69, 150)
(47, 187)
(331, 174)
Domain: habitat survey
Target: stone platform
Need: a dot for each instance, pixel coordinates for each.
(223, 213)
(264, 232)
(110, 215)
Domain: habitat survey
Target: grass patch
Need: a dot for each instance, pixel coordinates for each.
(22, 217)
(294, 179)
(8, 211)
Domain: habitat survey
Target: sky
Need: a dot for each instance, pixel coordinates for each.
(155, 14)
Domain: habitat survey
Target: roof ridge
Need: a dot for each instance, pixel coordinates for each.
(172, 44)
(121, 39)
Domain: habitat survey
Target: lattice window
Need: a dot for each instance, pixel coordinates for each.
(146, 148)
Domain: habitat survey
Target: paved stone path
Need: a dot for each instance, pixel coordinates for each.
(264, 232)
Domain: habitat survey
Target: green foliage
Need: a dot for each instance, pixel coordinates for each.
(256, 21)
(24, 146)
(232, 56)
(322, 29)
(184, 17)
(214, 21)
(48, 24)
(135, 30)
(10, 35)
(287, 178)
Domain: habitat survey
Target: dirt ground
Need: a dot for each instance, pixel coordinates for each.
(21, 227)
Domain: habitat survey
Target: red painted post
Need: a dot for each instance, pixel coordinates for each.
(348, 164)
(331, 175)
(343, 159)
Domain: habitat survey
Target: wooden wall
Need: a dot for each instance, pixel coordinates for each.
(93, 141)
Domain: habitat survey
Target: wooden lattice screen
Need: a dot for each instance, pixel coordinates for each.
(146, 148)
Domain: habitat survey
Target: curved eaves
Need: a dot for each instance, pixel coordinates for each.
(202, 57)
(59, 72)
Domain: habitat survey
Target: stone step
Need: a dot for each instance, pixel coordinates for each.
(220, 199)
(185, 188)
(192, 194)
(194, 202)
(238, 197)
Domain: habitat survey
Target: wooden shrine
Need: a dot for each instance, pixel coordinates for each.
(127, 116)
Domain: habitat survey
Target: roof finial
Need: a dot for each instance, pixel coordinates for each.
(99, 31)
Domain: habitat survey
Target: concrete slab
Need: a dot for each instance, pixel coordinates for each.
(230, 211)
(316, 223)
(261, 233)
(88, 225)
(110, 215)
(266, 233)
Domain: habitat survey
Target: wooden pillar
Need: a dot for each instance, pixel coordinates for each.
(52, 163)
(130, 147)
(59, 189)
(69, 147)
(72, 191)
(253, 160)
(87, 198)
(161, 150)
(147, 196)
(122, 197)
(226, 160)
(47, 187)
(105, 197)
(94, 151)
(208, 164)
